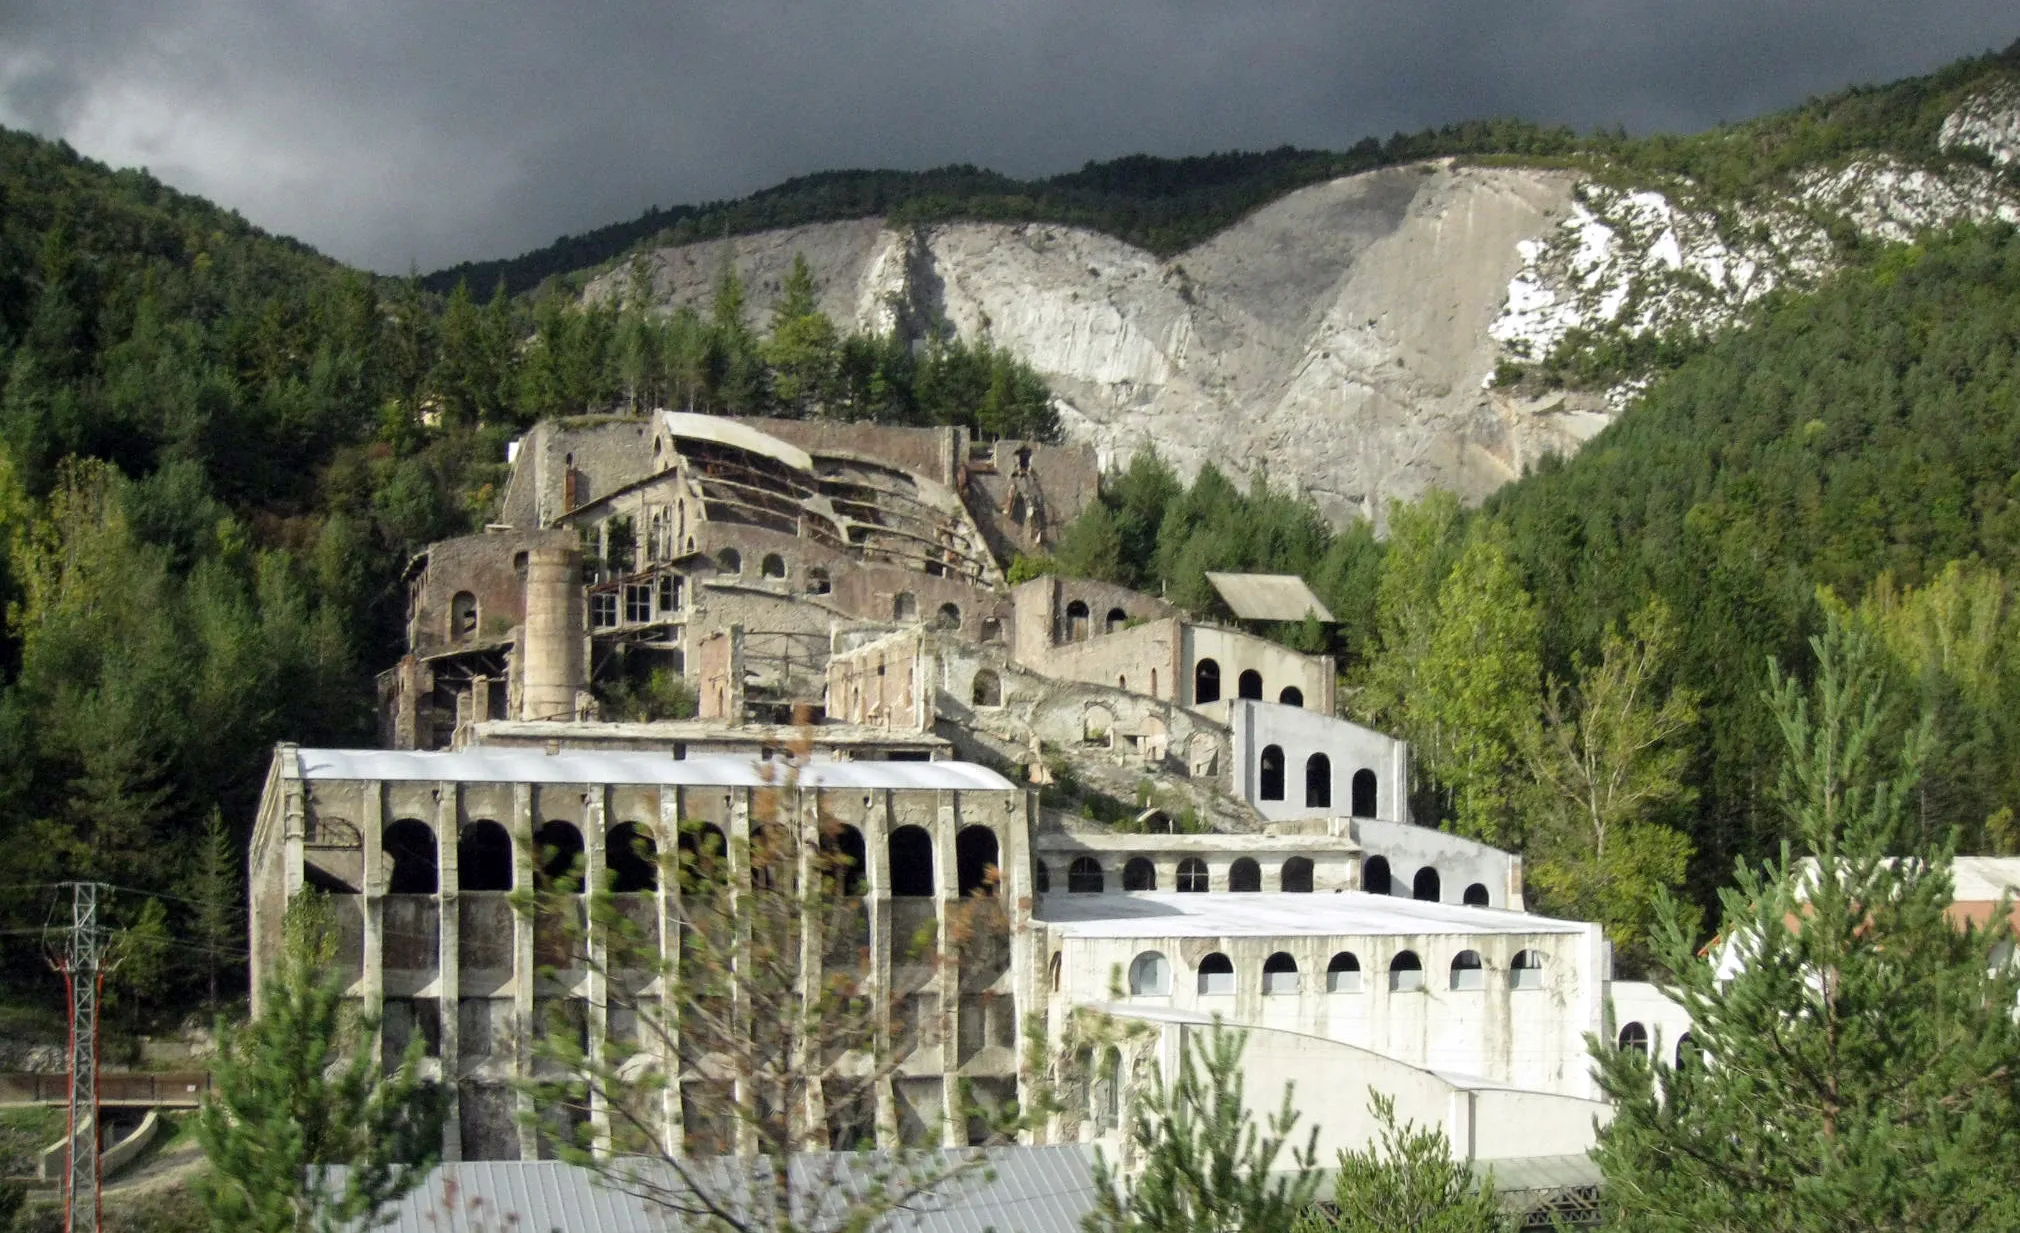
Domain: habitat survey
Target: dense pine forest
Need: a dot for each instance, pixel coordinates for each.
(218, 449)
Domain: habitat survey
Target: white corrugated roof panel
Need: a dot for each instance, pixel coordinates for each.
(1268, 597)
(492, 764)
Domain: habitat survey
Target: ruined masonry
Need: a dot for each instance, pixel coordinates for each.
(836, 599)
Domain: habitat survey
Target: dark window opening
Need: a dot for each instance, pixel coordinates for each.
(602, 609)
(1375, 876)
(1291, 696)
(1249, 684)
(817, 581)
(1297, 875)
(773, 566)
(992, 629)
(1139, 875)
(987, 689)
(1476, 896)
(949, 618)
(704, 854)
(463, 615)
(1635, 1037)
(1117, 621)
(1044, 872)
(410, 850)
(848, 858)
(1343, 974)
(632, 859)
(560, 848)
(1076, 622)
(637, 602)
(484, 854)
(1425, 886)
(904, 606)
(1216, 974)
(1245, 875)
(1192, 877)
(911, 862)
(1280, 975)
(1271, 785)
(975, 855)
(1083, 876)
(669, 594)
(730, 561)
(1205, 682)
(1364, 794)
(1319, 782)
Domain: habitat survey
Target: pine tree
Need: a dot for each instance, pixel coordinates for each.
(1205, 1166)
(218, 918)
(297, 1089)
(1852, 1043)
(1407, 1181)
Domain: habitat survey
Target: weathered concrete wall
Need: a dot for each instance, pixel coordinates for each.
(1235, 653)
(562, 464)
(1460, 864)
(489, 567)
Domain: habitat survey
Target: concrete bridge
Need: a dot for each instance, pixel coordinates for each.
(116, 1090)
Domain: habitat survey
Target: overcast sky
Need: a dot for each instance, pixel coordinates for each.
(397, 133)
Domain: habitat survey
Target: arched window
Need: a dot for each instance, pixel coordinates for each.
(1375, 876)
(1468, 974)
(1117, 618)
(1406, 973)
(1096, 725)
(904, 606)
(1249, 684)
(1364, 793)
(484, 857)
(848, 859)
(410, 851)
(1083, 876)
(1149, 975)
(704, 854)
(987, 689)
(975, 860)
(1076, 622)
(1291, 695)
(1244, 875)
(1270, 786)
(560, 848)
(1425, 886)
(911, 862)
(632, 859)
(1296, 876)
(1527, 970)
(1318, 782)
(1055, 970)
(1205, 682)
(949, 617)
(773, 863)
(1343, 974)
(1687, 1052)
(992, 629)
(1475, 896)
(1044, 874)
(1280, 974)
(1635, 1037)
(463, 615)
(730, 561)
(1192, 875)
(773, 566)
(1216, 974)
(1139, 875)
(817, 581)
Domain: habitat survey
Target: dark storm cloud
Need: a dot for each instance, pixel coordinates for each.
(392, 134)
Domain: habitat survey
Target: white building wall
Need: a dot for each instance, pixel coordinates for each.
(1532, 1038)
(1459, 862)
(1301, 733)
(1664, 1021)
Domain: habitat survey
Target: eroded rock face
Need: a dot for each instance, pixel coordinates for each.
(1990, 121)
(1337, 338)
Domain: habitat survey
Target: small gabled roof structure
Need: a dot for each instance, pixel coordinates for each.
(1268, 597)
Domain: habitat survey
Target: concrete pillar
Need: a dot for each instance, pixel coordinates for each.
(448, 836)
(552, 647)
(371, 829)
(595, 826)
(523, 967)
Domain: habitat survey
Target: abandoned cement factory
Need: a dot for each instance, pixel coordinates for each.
(837, 598)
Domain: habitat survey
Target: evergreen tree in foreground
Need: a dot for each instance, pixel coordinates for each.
(1855, 1067)
(1406, 1181)
(1205, 1167)
(297, 1088)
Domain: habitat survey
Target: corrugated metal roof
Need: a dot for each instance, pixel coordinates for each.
(493, 764)
(1009, 1190)
(1268, 597)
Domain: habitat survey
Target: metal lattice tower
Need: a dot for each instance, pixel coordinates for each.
(80, 961)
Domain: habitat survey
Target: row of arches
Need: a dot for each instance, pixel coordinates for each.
(1078, 621)
(1634, 1036)
(1376, 879)
(1206, 686)
(485, 862)
(1150, 975)
(1085, 876)
(1365, 788)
